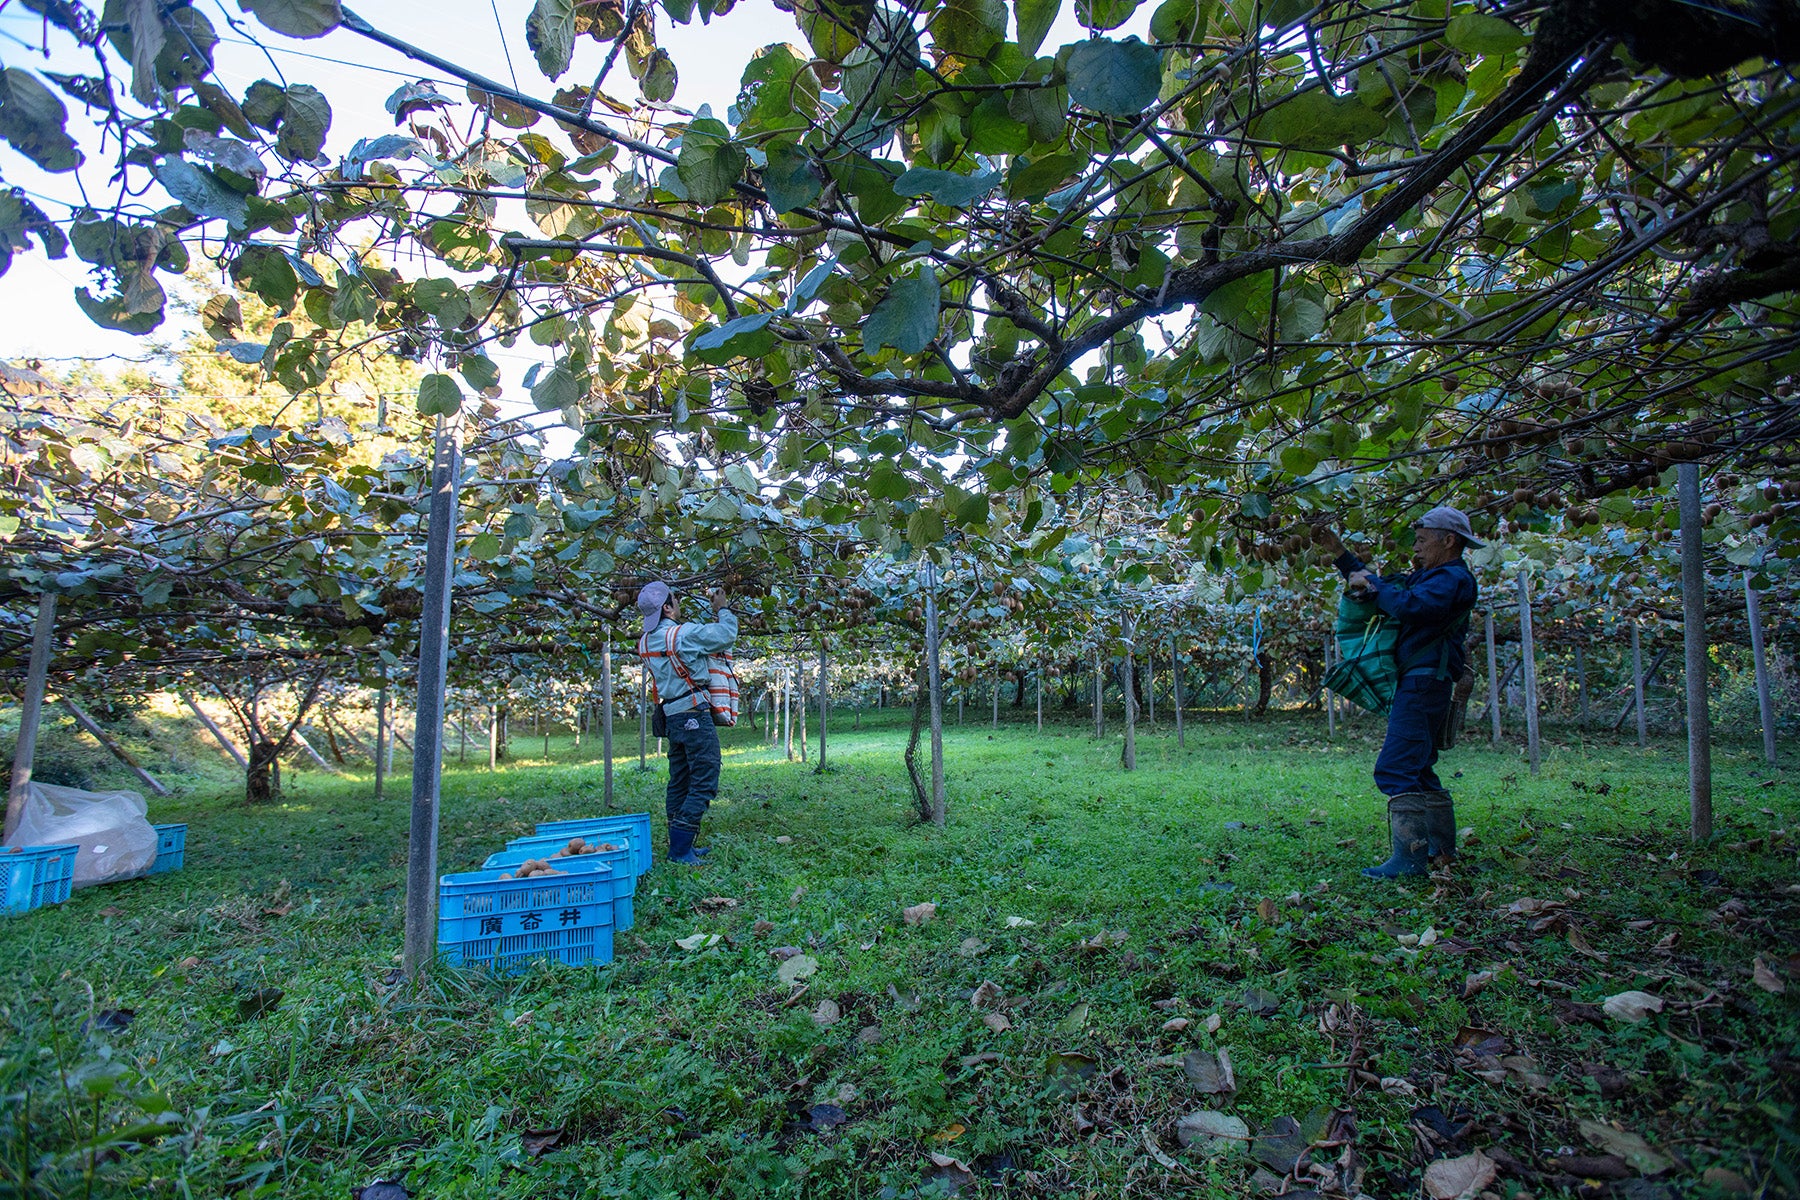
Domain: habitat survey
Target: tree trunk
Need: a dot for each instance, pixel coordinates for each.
(1693, 633)
(935, 676)
(1128, 753)
(1528, 656)
(262, 778)
(921, 701)
(37, 673)
(1265, 682)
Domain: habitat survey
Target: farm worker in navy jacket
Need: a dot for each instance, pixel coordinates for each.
(693, 741)
(1432, 604)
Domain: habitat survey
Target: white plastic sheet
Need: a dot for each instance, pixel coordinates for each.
(116, 838)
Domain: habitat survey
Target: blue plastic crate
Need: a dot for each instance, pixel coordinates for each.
(637, 823)
(622, 880)
(33, 876)
(506, 924)
(171, 848)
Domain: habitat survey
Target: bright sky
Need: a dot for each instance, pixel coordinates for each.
(38, 314)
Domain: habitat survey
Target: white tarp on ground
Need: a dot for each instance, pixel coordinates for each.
(116, 838)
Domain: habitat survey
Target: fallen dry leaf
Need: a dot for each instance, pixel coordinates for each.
(699, 941)
(1212, 1132)
(188, 963)
(538, 1142)
(713, 904)
(798, 967)
(784, 840)
(761, 926)
(1631, 1006)
(1766, 978)
(523, 1019)
(1210, 1072)
(971, 947)
(799, 894)
(1166, 1005)
(1019, 922)
(1580, 944)
(1265, 908)
(919, 914)
(783, 953)
(827, 1014)
(986, 996)
(1628, 1146)
(1176, 1024)
(1393, 1085)
(950, 1132)
(1456, 1178)
(113, 910)
(996, 1022)
(1212, 1023)
(1475, 982)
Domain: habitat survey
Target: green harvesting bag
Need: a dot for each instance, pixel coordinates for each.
(1368, 670)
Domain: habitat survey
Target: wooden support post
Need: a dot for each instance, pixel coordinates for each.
(996, 696)
(420, 944)
(112, 747)
(1325, 693)
(1493, 674)
(606, 716)
(787, 710)
(1099, 693)
(1637, 686)
(1040, 692)
(462, 735)
(1765, 704)
(1528, 651)
(1693, 636)
(824, 698)
(800, 700)
(212, 727)
(318, 759)
(1128, 756)
(1175, 666)
(935, 679)
(493, 737)
(1581, 686)
(381, 736)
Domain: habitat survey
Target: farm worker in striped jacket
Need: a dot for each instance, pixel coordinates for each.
(693, 741)
(1432, 603)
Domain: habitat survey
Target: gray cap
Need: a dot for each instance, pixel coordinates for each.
(655, 594)
(1452, 519)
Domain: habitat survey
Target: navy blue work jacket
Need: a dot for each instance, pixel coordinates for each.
(1429, 604)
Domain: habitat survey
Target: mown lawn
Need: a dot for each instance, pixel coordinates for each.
(1029, 1040)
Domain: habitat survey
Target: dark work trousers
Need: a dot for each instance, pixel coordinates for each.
(693, 767)
(1404, 765)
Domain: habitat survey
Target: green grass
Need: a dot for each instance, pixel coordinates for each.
(676, 1073)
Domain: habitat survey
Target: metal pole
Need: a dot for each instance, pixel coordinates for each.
(462, 736)
(935, 678)
(606, 715)
(1040, 692)
(1325, 694)
(1528, 648)
(1493, 656)
(493, 737)
(420, 945)
(1637, 686)
(1693, 636)
(31, 710)
(996, 695)
(1765, 704)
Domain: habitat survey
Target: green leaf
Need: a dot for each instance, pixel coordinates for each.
(660, 77)
(1177, 21)
(201, 193)
(485, 547)
(221, 317)
(297, 18)
(550, 32)
(907, 317)
(739, 327)
(833, 28)
(925, 527)
(557, 389)
(305, 118)
(1105, 14)
(439, 396)
(1313, 120)
(1479, 33)
(118, 312)
(1034, 179)
(1033, 19)
(969, 28)
(443, 300)
(1116, 79)
(947, 187)
(710, 162)
(479, 372)
(32, 119)
(791, 178)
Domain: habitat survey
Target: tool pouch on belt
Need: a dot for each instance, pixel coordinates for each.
(659, 721)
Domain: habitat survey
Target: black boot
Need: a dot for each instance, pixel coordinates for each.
(1408, 822)
(681, 846)
(1440, 828)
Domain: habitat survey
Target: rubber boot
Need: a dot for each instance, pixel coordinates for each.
(1440, 828)
(1408, 822)
(681, 846)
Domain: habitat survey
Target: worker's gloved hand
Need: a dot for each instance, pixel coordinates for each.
(1360, 583)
